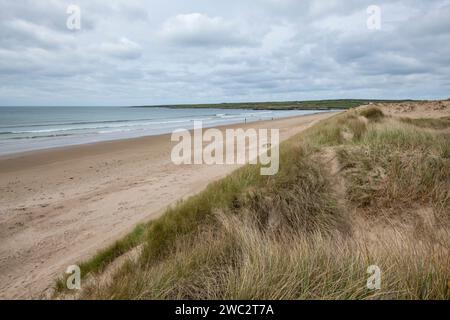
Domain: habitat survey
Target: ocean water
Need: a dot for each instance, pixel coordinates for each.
(32, 128)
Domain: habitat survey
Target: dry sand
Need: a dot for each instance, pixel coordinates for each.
(61, 206)
(423, 109)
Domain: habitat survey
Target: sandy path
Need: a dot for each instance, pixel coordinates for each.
(60, 206)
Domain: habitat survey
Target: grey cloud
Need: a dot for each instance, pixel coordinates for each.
(123, 48)
(155, 52)
(200, 30)
(20, 33)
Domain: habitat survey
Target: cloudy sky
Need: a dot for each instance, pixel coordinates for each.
(136, 52)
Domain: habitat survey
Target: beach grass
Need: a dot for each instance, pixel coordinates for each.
(372, 114)
(440, 123)
(103, 258)
(355, 190)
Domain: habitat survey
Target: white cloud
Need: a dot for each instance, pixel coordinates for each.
(23, 33)
(155, 52)
(196, 29)
(122, 48)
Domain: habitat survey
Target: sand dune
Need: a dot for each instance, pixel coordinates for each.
(60, 206)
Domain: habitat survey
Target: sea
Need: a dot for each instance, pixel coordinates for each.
(33, 128)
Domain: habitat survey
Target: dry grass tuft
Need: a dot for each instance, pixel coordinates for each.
(439, 124)
(372, 113)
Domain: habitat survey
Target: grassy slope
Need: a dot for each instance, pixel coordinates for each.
(285, 105)
(312, 230)
(442, 123)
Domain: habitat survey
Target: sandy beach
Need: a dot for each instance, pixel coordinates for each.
(59, 206)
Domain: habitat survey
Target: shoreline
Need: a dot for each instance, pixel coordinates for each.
(93, 148)
(17, 137)
(19, 154)
(61, 205)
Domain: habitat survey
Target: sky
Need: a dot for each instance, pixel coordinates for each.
(136, 52)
